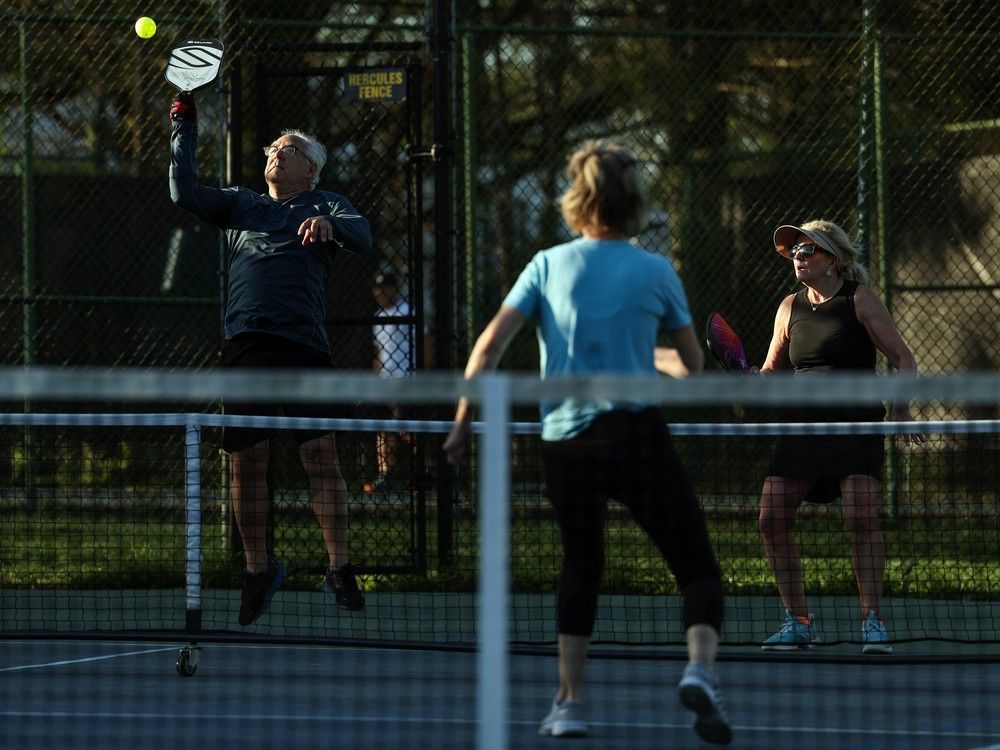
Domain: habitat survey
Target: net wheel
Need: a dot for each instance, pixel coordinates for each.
(185, 668)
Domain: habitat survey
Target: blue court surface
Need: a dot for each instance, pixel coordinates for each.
(97, 694)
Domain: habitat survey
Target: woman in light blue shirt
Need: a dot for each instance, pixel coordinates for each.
(598, 303)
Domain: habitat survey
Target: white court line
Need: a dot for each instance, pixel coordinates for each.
(327, 718)
(86, 659)
(872, 732)
(383, 719)
(813, 730)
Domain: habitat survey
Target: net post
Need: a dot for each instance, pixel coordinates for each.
(494, 534)
(192, 525)
(225, 509)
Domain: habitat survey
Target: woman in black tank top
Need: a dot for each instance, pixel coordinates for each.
(835, 322)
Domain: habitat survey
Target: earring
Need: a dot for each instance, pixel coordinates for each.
(829, 272)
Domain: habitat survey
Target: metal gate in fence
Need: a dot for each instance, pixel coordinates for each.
(369, 118)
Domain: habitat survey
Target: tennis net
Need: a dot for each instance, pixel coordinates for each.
(119, 524)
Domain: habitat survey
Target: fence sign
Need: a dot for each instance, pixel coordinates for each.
(376, 85)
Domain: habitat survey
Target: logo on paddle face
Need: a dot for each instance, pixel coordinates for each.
(194, 63)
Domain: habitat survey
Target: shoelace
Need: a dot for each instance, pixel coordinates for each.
(344, 583)
(790, 623)
(872, 625)
(720, 705)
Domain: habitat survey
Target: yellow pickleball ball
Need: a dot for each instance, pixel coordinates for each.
(145, 27)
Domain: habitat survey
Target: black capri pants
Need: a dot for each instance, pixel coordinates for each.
(628, 456)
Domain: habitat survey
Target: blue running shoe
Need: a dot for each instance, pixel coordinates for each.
(793, 635)
(874, 635)
(258, 589)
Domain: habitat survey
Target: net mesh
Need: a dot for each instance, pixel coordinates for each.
(119, 525)
(106, 512)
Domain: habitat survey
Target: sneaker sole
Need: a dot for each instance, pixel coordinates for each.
(568, 729)
(279, 579)
(788, 647)
(876, 648)
(707, 723)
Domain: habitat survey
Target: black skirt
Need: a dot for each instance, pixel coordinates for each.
(825, 459)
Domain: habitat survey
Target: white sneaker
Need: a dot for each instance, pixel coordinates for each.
(699, 692)
(564, 720)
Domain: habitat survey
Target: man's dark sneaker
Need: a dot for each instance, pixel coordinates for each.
(343, 586)
(258, 588)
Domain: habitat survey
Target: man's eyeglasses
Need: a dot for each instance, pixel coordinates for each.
(286, 151)
(803, 251)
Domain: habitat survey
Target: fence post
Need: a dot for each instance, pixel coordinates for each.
(440, 33)
(469, 171)
(865, 116)
(192, 525)
(28, 311)
(871, 164)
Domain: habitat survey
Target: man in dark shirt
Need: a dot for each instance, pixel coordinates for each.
(280, 249)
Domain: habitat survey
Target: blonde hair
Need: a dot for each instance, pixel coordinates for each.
(847, 253)
(605, 190)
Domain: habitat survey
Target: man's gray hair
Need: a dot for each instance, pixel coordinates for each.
(314, 150)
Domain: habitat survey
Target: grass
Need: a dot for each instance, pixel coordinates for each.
(52, 548)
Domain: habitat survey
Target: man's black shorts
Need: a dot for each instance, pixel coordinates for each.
(259, 351)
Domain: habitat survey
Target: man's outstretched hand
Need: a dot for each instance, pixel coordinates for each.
(183, 107)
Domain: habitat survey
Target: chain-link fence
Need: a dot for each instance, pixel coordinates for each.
(746, 115)
(448, 126)
(877, 116)
(99, 267)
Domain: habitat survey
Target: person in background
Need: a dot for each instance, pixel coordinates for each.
(280, 245)
(834, 323)
(598, 302)
(393, 359)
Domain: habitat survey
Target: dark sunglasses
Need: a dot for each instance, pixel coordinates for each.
(803, 251)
